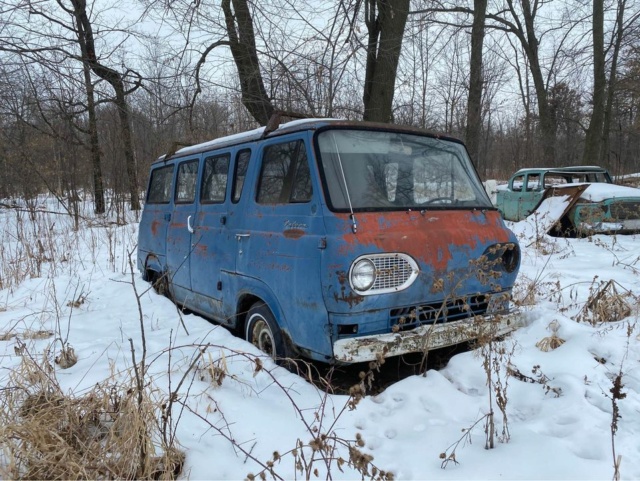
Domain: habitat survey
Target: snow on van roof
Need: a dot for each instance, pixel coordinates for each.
(571, 168)
(244, 136)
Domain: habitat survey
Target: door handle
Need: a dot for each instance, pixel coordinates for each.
(240, 236)
(189, 226)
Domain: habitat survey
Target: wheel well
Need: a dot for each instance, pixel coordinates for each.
(152, 268)
(150, 275)
(242, 309)
(158, 280)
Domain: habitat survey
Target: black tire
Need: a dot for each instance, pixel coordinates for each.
(262, 331)
(160, 284)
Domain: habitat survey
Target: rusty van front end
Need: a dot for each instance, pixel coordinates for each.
(416, 257)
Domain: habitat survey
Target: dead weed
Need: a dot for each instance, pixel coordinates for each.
(110, 432)
(605, 304)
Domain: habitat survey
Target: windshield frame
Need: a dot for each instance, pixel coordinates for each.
(481, 200)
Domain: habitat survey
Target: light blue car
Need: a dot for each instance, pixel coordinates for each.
(599, 207)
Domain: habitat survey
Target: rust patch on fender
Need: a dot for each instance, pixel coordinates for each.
(293, 233)
(352, 299)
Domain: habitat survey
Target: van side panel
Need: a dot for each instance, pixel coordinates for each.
(180, 239)
(280, 245)
(287, 260)
(156, 215)
(214, 245)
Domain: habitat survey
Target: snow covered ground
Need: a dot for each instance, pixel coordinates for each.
(558, 404)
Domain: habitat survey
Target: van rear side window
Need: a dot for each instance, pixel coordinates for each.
(285, 176)
(242, 163)
(160, 185)
(186, 184)
(214, 179)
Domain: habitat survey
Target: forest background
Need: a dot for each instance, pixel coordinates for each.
(91, 92)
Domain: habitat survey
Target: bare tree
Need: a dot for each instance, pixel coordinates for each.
(522, 24)
(520, 19)
(94, 145)
(594, 139)
(474, 102)
(49, 34)
(242, 42)
(622, 27)
(117, 82)
(385, 21)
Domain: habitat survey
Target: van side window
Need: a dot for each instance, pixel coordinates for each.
(214, 179)
(242, 162)
(186, 184)
(285, 175)
(160, 185)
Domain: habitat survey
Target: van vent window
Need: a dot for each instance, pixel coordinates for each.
(302, 185)
(160, 185)
(186, 185)
(214, 180)
(285, 176)
(242, 162)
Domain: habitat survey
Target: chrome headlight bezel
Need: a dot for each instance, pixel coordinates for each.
(392, 272)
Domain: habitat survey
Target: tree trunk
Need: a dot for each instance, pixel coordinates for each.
(385, 21)
(593, 140)
(613, 76)
(116, 81)
(547, 122)
(474, 103)
(98, 185)
(245, 55)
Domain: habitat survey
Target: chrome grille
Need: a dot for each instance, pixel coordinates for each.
(437, 312)
(391, 272)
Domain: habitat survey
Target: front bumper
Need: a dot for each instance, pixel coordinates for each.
(425, 338)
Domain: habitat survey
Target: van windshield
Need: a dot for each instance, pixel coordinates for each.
(396, 171)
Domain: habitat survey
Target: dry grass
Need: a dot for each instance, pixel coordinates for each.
(213, 371)
(67, 357)
(27, 334)
(35, 335)
(6, 336)
(110, 432)
(553, 341)
(605, 304)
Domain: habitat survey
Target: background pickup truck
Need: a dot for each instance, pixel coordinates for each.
(595, 205)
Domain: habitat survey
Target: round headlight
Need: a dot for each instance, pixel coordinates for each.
(363, 275)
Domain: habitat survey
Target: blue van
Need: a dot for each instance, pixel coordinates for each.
(335, 240)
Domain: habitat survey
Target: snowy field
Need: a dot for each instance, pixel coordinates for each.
(236, 414)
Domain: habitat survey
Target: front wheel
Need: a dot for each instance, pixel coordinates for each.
(263, 332)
